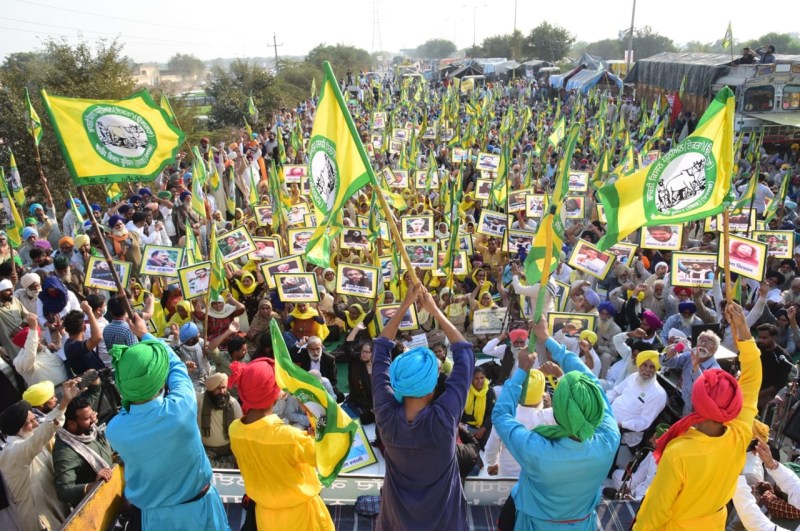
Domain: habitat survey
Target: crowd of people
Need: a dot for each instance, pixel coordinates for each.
(626, 382)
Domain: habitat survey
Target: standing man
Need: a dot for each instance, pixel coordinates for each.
(216, 410)
(167, 473)
(422, 488)
(578, 450)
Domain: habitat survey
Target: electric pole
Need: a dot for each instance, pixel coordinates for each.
(275, 47)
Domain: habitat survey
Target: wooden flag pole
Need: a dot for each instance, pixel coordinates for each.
(396, 234)
(43, 178)
(726, 257)
(106, 254)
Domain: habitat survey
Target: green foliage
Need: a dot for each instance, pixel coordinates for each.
(231, 88)
(435, 49)
(697, 46)
(95, 71)
(341, 57)
(784, 43)
(186, 64)
(647, 43)
(294, 82)
(606, 48)
(548, 42)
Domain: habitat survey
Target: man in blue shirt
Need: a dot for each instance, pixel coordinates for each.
(692, 363)
(82, 354)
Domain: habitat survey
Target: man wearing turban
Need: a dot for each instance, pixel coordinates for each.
(216, 410)
(277, 461)
(167, 473)
(701, 455)
(684, 320)
(422, 488)
(578, 450)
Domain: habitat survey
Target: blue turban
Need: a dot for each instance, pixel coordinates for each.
(113, 220)
(185, 194)
(135, 198)
(414, 373)
(145, 191)
(96, 207)
(27, 232)
(35, 207)
(188, 331)
(124, 208)
(687, 306)
(77, 202)
(53, 304)
(608, 307)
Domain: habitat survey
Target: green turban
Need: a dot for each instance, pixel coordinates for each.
(141, 370)
(578, 406)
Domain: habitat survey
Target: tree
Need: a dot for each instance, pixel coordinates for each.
(548, 42)
(294, 82)
(231, 89)
(606, 48)
(697, 46)
(435, 49)
(784, 43)
(186, 64)
(341, 57)
(94, 71)
(647, 43)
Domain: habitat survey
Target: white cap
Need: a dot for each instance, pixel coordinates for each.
(6, 284)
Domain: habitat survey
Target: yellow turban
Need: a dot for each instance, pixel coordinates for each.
(646, 355)
(589, 336)
(640, 296)
(39, 393)
(533, 390)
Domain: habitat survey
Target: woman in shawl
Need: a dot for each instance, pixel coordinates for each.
(138, 294)
(359, 375)
(329, 280)
(182, 315)
(247, 291)
(169, 301)
(261, 321)
(304, 321)
(478, 409)
(354, 315)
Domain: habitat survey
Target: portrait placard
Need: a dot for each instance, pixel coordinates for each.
(161, 261)
(297, 287)
(747, 257)
(195, 279)
(665, 237)
(290, 264)
(578, 321)
(492, 223)
(388, 311)
(693, 270)
(488, 321)
(100, 276)
(357, 280)
(780, 243)
(589, 259)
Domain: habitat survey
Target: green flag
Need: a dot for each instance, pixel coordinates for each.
(727, 40)
(14, 182)
(12, 222)
(32, 122)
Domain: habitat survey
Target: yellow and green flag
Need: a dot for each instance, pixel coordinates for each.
(32, 122)
(12, 222)
(692, 181)
(105, 141)
(164, 104)
(217, 283)
(14, 181)
(339, 166)
(73, 205)
(727, 40)
(334, 429)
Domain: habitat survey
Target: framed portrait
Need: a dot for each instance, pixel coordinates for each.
(483, 187)
(574, 207)
(459, 155)
(534, 205)
(624, 252)
(297, 287)
(747, 257)
(486, 174)
(666, 237)
(310, 220)
(399, 134)
(780, 243)
(743, 222)
(417, 227)
(290, 264)
(589, 259)
(693, 270)
(388, 311)
(421, 180)
(518, 239)
(488, 321)
(649, 158)
(384, 233)
(712, 224)
(492, 223)
(357, 280)
(465, 243)
(447, 135)
(297, 214)
(578, 182)
(361, 453)
(517, 201)
(459, 262)
(579, 321)
(100, 276)
(295, 173)
(378, 120)
(263, 215)
(562, 295)
(195, 279)
(267, 248)
(387, 268)
(161, 261)
(376, 140)
(395, 179)
(601, 213)
(422, 254)
(429, 133)
(395, 147)
(488, 161)
(299, 238)
(353, 238)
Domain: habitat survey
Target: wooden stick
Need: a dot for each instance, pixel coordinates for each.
(44, 179)
(726, 257)
(396, 234)
(106, 254)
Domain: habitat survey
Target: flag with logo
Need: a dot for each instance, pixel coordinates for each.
(334, 430)
(727, 40)
(10, 221)
(217, 283)
(14, 182)
(691, 181)
(193, 254)
(778, 200)
(105, 141)
(339, 167)
(32, 122)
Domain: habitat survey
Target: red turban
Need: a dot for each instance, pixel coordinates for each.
(716, 396)
(518, 335)
(256, 383)
(681, 290)
(21, 337)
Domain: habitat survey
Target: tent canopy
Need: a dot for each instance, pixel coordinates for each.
(586, 79)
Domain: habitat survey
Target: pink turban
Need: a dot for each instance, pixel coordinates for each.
(518, 335)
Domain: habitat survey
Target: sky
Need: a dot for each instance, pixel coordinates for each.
(153, 31)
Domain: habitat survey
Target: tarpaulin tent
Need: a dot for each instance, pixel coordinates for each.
(586, 79)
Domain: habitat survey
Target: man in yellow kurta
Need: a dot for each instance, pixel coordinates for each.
(277, 461)
(704, 452)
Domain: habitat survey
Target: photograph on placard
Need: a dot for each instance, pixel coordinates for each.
(447, 135)
(742, 222)
(422, 254)
(100, 276)
(780, 243)
(693, 270)
(195, 279)
(488, 161)
(378, 120)
(483, 187)
(297, 287)
(492, 223)
(376, 141)
(516, 200)
(289, 264)
(534, 205)
(399, 134)
(395, 147)
(263, 215)
(574, 207)
(361, 453)
(310, 220)
(297, 214)
(417, 227)
(353, 238)
(235, 244)
(388, 311)
(590, 259)
(578, 182)
(574, 322)
(267, 248)
(160, 260)
(664, 237)
(299, 238)
(601, 213)
(295, 173)
(518, 239)
(459, 262)
(489, 321)
(421, 180)
(395, 178)
(624, 252)
(459, 155)
(465, 243)
(562, 295)
(429, 133)
(747, 257)
(357, 280)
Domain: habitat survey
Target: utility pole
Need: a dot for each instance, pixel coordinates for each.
(275, 47)
(629, 58)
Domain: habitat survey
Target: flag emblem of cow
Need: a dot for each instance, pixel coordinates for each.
(325, 172)
(119, 135)
(683, 178)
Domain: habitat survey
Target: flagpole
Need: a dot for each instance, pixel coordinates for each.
(726, 257)
(42, 177)
(396, 234)
(106, 254)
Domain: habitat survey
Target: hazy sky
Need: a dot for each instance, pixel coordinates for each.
(155, 30)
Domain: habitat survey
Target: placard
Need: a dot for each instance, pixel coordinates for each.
(589, 259)
(574, 207)
(416, 227)
(388, 311)
(267, 248)
(422, 254)
(693, 270)
(297, 287)
(100, 276)
(353, 238)
(235, 244)
(195, 279)
(290, 264)
(492, 223)
(295, 173)
(578, 181)
(488, 321)
(161, 261)
(299, 238)
(361, 454)
(665, 237)
(357, 280)
(483, 188)
(534, 205)
(624, 252)
(747, 257)
(780, 243)
(488, 161)
(579, 321)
